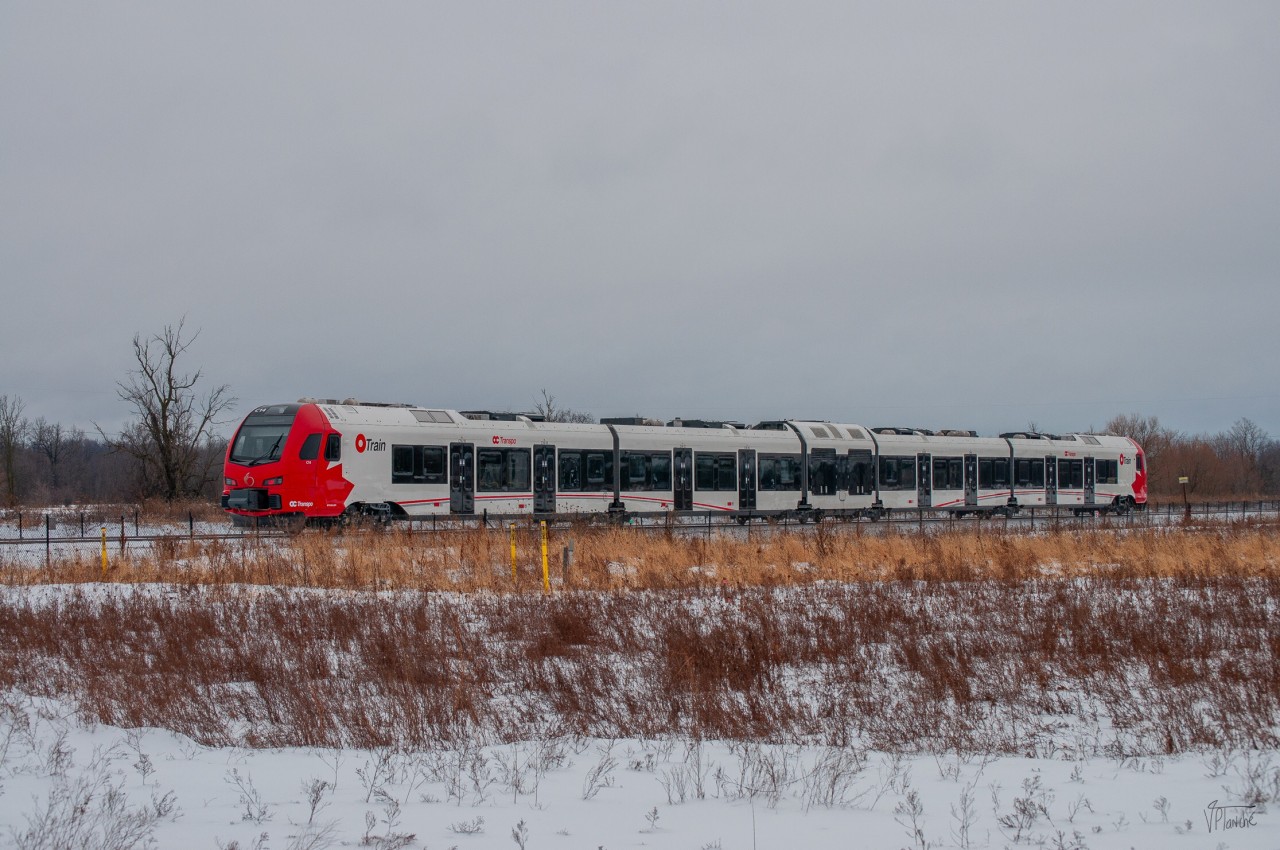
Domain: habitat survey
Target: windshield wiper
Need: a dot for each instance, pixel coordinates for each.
(266, 456)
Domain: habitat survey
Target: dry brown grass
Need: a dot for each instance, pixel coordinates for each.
(1068, 643)
(1099, 665)
(615, 558)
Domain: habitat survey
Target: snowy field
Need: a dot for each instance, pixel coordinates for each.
(1085, 678)
(63, 784)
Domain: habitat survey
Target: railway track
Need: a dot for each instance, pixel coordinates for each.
(118, 535)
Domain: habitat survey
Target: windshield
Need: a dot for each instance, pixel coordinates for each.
(258, 443)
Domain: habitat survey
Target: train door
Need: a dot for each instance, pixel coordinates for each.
(544, 479)
(971, 481)
(1050, 480)
(682, 479)
(861, 481)
(822, 472)
(462, 478)
(1089, 479)
(924, 480)
(747, 479)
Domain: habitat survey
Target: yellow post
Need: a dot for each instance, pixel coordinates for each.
(104, 551)
(513, 551)
(546, 576)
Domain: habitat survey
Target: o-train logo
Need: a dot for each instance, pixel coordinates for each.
(504, 441)
(363, 445)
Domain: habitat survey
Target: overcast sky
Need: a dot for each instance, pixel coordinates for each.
(940, 215)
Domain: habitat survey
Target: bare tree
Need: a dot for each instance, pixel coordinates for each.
(552, 412)
(52, 440)
(1241, 450)
(169, 439)
(13, 429)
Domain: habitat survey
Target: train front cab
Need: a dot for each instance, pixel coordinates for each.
(284, 462)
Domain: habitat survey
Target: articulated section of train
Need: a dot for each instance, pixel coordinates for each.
(324, 460)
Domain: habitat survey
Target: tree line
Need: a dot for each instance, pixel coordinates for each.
(170, 449)
(1242, 462)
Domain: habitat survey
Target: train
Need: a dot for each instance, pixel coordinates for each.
(324, 461)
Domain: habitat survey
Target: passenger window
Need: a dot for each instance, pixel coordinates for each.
(660, 468)
(402, 464)
(570, 471)
(596, 469)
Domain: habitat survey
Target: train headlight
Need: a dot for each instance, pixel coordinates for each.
(274, 482)
(230, 482)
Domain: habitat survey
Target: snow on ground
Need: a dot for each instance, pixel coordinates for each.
(574, 793)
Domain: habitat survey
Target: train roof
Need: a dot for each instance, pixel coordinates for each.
(816, 432)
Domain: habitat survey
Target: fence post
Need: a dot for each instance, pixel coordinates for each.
(121, 534)
(546, 576)
(513, 551)
(47, 555)
(104, 552)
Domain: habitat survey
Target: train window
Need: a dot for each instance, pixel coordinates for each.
(822, 472)
(333, 447)
(660, 471)
(402, 464)
(993, 473)
(637, 467)
(599, 472)
(1140, 465)
(778, 472)
(898, 473)
(570, 471)
(1029, 472)
(310, 447)
(1107, 471)
(417, 464)
(715, 471)
(258, 443)
(1070, 474)
(502, 470)
(1000, 472)
(433, 464)
(948, 473)
(646, 471)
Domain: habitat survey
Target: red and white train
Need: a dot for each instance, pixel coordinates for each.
(325, 460)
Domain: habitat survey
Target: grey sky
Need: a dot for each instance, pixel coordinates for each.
(966, 215)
